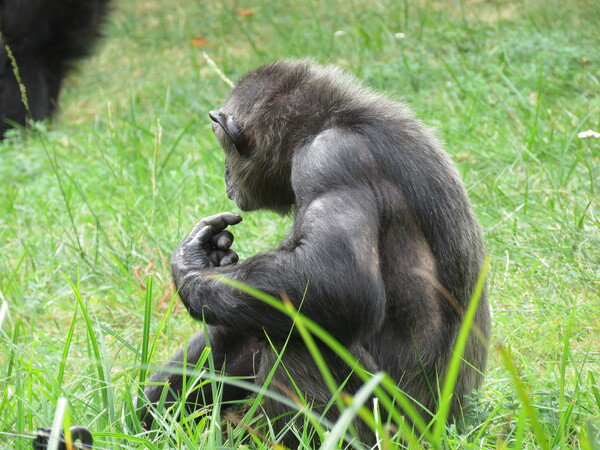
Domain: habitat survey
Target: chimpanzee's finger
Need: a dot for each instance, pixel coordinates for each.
(215, 257)
(200, 238)
(220, 221)
(230, 257)
(222, 240)
(200, 227)
(217, 223)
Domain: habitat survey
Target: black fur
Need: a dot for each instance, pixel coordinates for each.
(45, 37)
(380, 214)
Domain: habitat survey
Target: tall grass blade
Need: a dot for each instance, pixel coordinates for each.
(103, 379)
(55, 439)
(144, 361)
(66, 349)
(315, 353)
(451, 376)
(349, 414)
(528, 409)
(3, 313)
(594, 388)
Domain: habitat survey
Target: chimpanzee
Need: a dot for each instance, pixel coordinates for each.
(45, 38)
(381, 221)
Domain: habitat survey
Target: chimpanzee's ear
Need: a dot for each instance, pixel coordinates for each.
(235, 133)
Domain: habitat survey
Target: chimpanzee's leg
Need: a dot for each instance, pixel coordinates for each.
(233, 354)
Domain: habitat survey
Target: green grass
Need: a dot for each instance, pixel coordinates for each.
(92, 206)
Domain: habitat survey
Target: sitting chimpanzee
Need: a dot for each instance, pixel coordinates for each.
(384, 253)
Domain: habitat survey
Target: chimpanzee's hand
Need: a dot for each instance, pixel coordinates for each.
(208, 245)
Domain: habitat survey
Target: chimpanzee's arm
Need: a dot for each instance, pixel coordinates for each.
(332, 273)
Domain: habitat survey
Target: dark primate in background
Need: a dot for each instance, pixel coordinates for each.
(45, 37)
(380, 215)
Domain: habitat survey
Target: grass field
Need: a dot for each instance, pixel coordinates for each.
(93, 204)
